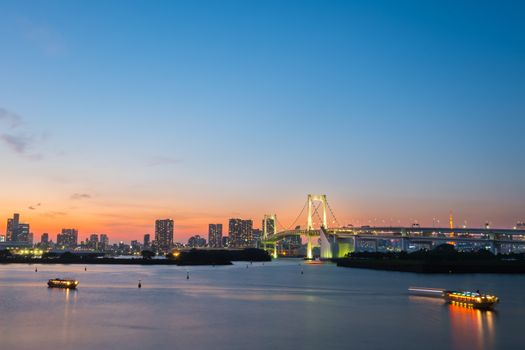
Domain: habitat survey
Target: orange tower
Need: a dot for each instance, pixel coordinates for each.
(451, 221)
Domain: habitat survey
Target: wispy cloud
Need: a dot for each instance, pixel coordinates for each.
(43, 36)
(34, 206)
(17, 138)
(12, 120)
(161, 160)
(18, 143)
(79, 196)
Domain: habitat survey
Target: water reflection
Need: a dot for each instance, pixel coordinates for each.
(471, 328)
(234, 308)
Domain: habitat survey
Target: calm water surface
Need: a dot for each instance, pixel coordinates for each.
(270, 306)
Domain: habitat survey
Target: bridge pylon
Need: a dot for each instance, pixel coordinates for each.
(316, 198)
(269, 225)
(312, 198)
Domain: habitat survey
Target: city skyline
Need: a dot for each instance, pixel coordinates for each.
(180, 237)
(205, 112)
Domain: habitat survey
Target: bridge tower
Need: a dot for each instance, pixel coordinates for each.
(269, 227)
(312, 198)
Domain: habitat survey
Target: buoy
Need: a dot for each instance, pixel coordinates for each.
(36, 269)
(187, 275)
(85, 268)
(140, 284)
(302, 272)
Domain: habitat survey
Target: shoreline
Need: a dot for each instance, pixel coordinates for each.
(184, 258)
(104, 261)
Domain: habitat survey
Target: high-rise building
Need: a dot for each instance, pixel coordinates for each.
(16, 231)
(234, 232)
(44, 238)
(164, 234)
(215, 235)
(256, 236)
(104, 242)
(12, 227)
(93, 241)
(240, 232)
(68, 238)
(147, 240)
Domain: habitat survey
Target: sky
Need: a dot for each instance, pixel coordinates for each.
(114, 114)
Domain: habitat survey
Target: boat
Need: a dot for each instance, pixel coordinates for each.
(472, 300)
(62, 283)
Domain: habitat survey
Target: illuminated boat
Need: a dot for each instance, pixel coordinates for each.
(470, 299)
(62, 283)
(473, 300)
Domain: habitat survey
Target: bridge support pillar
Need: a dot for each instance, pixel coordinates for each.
(309, 252)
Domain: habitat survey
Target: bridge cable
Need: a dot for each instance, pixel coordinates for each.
(280, 224)
(316, 212)
(298, 216)
(331, 211)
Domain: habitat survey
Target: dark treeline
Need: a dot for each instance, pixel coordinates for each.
(442, 259)
(191, 257)
(219, 257)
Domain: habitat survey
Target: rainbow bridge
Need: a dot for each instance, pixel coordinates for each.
(337, 241)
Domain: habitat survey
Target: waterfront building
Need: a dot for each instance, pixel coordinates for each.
(215, 235)
(44, 238)
(164, 234)
(16, 231)
(240, 233)
(68, 238)
(147, 240)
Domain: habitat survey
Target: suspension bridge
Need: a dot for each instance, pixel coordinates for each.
(323, 230)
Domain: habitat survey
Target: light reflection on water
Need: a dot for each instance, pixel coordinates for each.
(258, 307)
(472, 328)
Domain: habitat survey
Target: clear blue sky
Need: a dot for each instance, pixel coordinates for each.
(201, 110)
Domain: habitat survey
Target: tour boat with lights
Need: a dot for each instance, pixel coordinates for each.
(473, 300)
(62, 283)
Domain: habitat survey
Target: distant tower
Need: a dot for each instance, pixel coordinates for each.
(451, 221)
